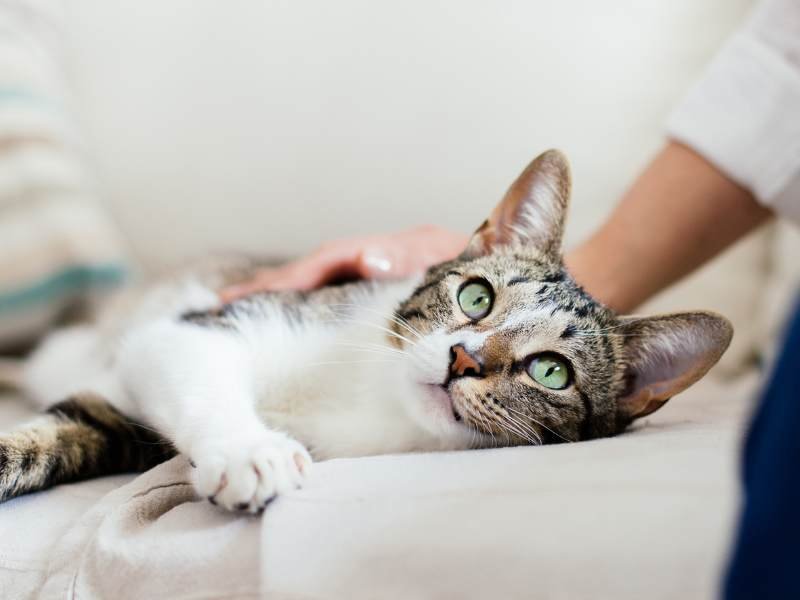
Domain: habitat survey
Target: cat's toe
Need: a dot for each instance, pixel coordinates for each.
(240, 490)
(210, 478)
(280, 469)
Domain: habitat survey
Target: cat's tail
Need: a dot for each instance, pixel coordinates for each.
(80, 438)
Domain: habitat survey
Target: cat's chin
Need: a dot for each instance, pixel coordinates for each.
(441, 405)
(436, 412)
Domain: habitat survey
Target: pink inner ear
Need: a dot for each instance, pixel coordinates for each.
(504, 216)
(648, 397)
(667, 355)
(659, 376)
(665, 372)
(497, 230)
(531, 212)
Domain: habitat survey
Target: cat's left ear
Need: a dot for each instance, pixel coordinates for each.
(666, 354)
(533, 211)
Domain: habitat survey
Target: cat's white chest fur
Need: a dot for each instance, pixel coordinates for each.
(337, 387)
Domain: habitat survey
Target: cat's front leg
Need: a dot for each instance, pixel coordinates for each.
(196, 386)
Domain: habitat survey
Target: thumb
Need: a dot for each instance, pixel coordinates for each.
(304, 274)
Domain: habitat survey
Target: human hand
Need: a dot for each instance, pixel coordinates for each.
(383, 256)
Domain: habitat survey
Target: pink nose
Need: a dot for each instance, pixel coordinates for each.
(463, 364)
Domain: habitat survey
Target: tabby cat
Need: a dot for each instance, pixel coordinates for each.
(497, 347)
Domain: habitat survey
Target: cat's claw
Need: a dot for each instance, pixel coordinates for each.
(245, 475)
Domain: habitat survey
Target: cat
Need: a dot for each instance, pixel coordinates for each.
(497, 347)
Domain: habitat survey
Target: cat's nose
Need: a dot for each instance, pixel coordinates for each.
(464, 364)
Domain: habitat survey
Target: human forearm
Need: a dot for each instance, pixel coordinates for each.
(678, 214)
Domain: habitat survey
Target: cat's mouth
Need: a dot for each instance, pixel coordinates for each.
(443, 402)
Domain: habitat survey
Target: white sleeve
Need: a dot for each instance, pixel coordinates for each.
(744, 114)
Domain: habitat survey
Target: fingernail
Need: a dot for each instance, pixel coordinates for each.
(376, 260)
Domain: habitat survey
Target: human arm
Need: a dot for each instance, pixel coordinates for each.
(735, 156)
(680, 212)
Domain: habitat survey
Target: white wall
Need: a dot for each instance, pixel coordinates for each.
(270, 125)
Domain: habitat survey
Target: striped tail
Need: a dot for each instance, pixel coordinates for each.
(80, 438)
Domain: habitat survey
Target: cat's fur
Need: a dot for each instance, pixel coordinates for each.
(250, 391)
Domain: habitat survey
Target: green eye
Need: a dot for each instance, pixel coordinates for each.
(550, 371)
(475, 299)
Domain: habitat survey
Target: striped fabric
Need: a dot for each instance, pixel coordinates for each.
(58, 251)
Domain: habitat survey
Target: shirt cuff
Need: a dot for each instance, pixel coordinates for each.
(744, 117)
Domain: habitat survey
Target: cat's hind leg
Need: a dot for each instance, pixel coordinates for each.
(80, 438)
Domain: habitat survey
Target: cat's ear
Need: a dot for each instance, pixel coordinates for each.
(666, 354)
(533, 211)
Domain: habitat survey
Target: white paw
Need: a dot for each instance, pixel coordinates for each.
(245, 474)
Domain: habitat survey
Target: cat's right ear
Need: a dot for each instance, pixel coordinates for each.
(664, 355)
(533, 211)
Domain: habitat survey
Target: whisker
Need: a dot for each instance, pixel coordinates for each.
(379, 327)
(533, 432)
(479, 416)
(523, 426)
(614, 334)
(510, 428)
(393, 317)
(531, 428)
(613, 327)
(351, 362)
(402, 321)
(371, 347)
(539, 423)
(522, 430)
(511, 425)
(529, 435)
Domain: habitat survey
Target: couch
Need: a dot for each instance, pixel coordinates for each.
(271, 126)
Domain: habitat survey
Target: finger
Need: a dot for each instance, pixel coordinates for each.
(239, 290)
(322, 266)
(409, 252)
(284, 278)
(306, 273)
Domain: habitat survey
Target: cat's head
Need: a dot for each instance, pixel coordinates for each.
(502, 342)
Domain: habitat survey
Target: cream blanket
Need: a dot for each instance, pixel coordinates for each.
(152, 538)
